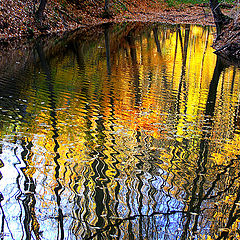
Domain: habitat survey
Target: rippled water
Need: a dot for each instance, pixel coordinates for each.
(130, 134)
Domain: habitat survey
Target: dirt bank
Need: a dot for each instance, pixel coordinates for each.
(17, 17)
(18, 22)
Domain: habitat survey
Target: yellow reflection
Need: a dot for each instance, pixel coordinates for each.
(106, 136)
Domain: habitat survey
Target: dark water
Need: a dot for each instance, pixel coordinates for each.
(130, 134)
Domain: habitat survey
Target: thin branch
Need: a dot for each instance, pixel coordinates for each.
(6, 220)
(120, 220)
(63, 12)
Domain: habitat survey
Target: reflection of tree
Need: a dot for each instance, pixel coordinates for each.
(107, 47)
(233, 215)
(176, 48)
(52, 100)
(155, 34)
(205, 48)
(113, 211)
(95, 173)
(30, 221)
(182, 83)
(198, 193)
(77, 48)
(29, 206)
(150, 217)
(4, 220)
(133, 54)
(99, 193)
(120, 180)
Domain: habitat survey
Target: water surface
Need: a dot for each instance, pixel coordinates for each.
(132, 134)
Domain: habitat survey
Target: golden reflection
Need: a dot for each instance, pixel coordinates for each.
(142, 121)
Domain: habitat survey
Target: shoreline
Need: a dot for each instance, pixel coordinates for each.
(196, 14)
(21, 27)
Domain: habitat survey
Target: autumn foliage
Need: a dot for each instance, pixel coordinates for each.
(20, 18)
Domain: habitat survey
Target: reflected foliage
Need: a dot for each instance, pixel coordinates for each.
(134, 135)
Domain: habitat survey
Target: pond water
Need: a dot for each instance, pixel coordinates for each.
(131, 134)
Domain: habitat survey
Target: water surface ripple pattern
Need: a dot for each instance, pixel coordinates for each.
(131, 135)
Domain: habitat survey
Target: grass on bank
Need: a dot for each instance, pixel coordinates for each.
(175, 3)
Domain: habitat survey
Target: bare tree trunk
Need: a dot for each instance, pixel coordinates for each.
(106, 13)
(41, 8)
(106, 6)
(219, 18)
(107, 46)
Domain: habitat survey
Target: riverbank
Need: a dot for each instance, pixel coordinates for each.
(18, 23)
(17, 17)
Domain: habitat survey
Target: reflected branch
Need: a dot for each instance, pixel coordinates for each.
(210, 190)
(121, 220)
(52, 99)
(232, 217)
(4, 219)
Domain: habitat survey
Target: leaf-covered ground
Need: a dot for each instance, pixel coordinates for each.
(17, 16)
